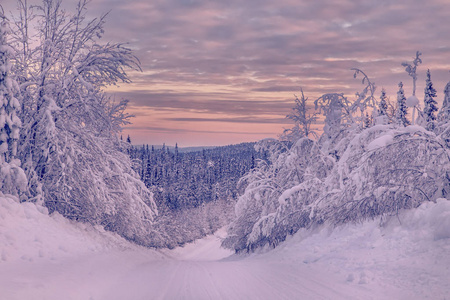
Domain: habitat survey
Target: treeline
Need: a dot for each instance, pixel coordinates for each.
(189, 179)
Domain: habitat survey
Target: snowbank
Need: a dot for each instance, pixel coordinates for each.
(28, 233)
(404, 257)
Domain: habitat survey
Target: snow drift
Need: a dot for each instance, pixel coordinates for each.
(28, 233)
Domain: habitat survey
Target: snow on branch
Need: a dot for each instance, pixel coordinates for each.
(337, 111)
(367, 97)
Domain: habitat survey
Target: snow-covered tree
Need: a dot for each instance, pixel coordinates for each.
(384, 170)
(12, 177)
(279, 190)
(444, 112)
(430, 105)
(383, 106)
(70, 145)
(337, 111)
(302, 120)
(350, 174)
(9, 105)
(402, 110)
(367, 120)
(411, 69)
(366, 98)
(383, 115)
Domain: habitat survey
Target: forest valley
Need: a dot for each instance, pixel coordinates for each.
(60, 148)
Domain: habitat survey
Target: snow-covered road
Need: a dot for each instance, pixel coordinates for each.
(139, 274)
(227, 280)
(201, 270)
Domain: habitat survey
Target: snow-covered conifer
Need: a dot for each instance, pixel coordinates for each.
(444, 112)
(430, 105)
(367, 120)
(383, 115)
(383, 106)
(402, 109)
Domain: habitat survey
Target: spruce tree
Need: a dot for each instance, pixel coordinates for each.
(367, 121)
(444, 112)
(382, 109)
(430, 105)
(402, 109)
(176, 153)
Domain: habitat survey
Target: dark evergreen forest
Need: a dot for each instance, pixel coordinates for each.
(181, 180)
(195, 191)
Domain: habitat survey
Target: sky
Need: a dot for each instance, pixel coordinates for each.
(225, 72)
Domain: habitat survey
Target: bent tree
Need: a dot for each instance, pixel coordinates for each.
(69, 142)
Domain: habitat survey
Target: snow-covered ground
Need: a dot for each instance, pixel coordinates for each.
(49, 257)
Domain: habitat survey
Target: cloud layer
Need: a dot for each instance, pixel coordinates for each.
(212, 68)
